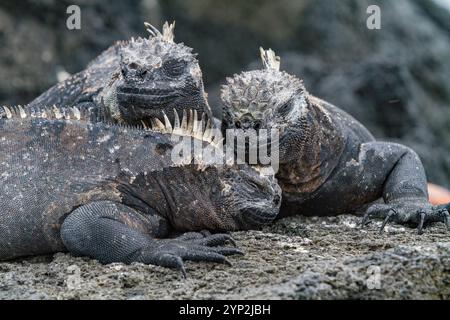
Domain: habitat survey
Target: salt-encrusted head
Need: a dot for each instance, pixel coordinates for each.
(156, 74)
(266, 98)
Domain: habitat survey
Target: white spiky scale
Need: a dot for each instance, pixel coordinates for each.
(22, 112)
(269, 59)
(8, 112)
(191, 127)
(176, 123)
(207, 135)
(195, 123)
(144, 125)
(184, 121)
(76, 113)
(157, 125)
(191, 121)
(168, 31)
(57, 113)
(167, 122)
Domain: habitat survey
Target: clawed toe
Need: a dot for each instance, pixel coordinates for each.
(417, 214)
(174, 252)
(391, 213)
(446, 217)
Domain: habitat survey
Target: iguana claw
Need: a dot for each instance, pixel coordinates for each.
(173, 252)
(418, 214)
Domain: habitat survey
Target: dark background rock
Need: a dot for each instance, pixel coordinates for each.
(395, 80)
(36, 46)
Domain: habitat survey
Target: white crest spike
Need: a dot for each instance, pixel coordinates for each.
(269, 59)
(167, 123)
(8, 112)
(157, 125)
(199, 132)
(152, 30)
(190, 125)
(168, 31)
(66, 114)
(76, 113)
(184, 122)
(208, 134)
(144, 125)
(22, 112)
(57, 113)
(176, 124)
(195, 123)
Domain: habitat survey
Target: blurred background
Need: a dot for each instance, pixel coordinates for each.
(395, 80)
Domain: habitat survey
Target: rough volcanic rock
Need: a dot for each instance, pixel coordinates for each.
(296, 258)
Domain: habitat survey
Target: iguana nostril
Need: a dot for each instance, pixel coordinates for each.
(237, 124)
(133, 65)
(276, 200)
(246, 124)
(143, 73)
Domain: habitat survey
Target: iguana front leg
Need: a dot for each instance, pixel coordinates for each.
(405, 189)
(112, 232)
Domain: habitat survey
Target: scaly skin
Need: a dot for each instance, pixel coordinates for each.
(329, 162)
(135, 80)
(113, 193)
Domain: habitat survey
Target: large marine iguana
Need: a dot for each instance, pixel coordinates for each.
(113, 192)
(329, 162)
(135, 80)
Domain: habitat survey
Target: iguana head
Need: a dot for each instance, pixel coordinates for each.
(155, 74)
(221, 197)
(266, 99)
(214, 195)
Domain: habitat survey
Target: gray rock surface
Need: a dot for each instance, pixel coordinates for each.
(296, 258)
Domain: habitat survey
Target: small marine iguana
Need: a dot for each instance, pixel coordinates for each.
(112, 192)
(135, 80)
(329, 162)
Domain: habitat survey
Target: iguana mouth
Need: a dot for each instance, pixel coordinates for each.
(256, 217)
(143, 98)
(146, 91)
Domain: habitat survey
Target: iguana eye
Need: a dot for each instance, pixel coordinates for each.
(174, 68)
(285, 108)
(133, 66)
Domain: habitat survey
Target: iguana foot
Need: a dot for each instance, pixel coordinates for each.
(173, 252)
(416, 212)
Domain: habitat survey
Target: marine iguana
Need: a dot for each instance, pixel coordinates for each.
(135, 80)
(329, 162)
(112, 192)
